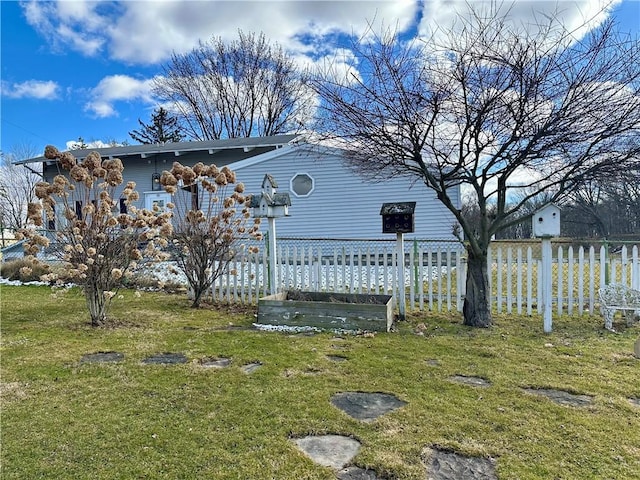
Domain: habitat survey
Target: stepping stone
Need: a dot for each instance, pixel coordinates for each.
(251, 367)
(473, 381)
(102, 357)
(215, 362)
(165, 359)
(635, 401)
(356, 473)
(333, 451)
(562, 397)
(337, 358)
(432, 362)
(443, 465)
(366, 406)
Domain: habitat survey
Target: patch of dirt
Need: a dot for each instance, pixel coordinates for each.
(12, 391)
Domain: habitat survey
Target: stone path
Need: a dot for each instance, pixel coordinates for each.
(443, 465)
(334, 451)
(562, 397)
(102, 357)
(165, 359)
(338, 451)
(215, 362)
(366, 406)
(473, 381)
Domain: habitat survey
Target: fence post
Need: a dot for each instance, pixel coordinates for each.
(546, 283)
(401, 287)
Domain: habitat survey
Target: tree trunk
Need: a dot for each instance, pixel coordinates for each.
(197, 296)
(476, 309)
(96, 304)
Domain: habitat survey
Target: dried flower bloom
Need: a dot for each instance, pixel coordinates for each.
(26, 271)
(221, 179)
(51, 152)
(239, 188)
(99, 172)
(67, 160)
(78, 173)
(167, 179)
(108, 294)
(199, 168)
(177, 169)
(114, 178)
(188, 175)
(116, 274)
(41, 189)
(92, 161)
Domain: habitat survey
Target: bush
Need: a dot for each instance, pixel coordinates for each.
(24, 270)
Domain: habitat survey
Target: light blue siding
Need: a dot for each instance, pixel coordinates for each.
(342, 204)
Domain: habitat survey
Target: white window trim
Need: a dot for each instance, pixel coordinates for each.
(313, 184)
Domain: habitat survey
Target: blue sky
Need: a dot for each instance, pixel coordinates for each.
(74, 69)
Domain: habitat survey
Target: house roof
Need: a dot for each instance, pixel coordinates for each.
(180, 148)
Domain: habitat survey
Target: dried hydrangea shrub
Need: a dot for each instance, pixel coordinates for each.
(211, 214)
(97, 243)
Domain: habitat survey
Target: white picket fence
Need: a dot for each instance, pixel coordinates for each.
(435, 277)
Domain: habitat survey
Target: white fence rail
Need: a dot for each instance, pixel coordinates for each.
(435, 277)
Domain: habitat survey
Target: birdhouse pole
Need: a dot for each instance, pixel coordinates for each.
(272, 256)
(399, 218)
(546, 224)
(271, 204)
(402, 300)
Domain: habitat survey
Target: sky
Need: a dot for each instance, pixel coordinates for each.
(76, 68)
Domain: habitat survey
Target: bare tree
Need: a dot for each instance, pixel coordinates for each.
(16, 186)
(210, 217)
(244, 88)
(605, 208)
(494, 109)
(98, 236)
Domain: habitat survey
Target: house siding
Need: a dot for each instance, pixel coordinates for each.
(342, 205)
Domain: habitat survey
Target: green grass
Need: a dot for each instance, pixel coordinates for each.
(63, 419)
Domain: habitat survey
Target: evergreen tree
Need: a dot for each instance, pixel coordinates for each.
(163, 128)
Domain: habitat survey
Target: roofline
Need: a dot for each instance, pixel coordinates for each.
(179, 148)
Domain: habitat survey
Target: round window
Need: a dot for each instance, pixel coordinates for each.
(302, 184)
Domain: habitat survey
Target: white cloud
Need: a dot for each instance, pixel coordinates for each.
(44, 90)
(117, 88)
(578, 16)
(74, 144)
(68, 24)
(147, 32)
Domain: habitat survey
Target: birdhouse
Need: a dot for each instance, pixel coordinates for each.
(398, 217)
(270, 203)
(546, 221)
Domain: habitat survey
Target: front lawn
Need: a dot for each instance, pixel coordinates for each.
(67, 419)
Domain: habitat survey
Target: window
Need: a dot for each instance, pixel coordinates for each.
(302, 184)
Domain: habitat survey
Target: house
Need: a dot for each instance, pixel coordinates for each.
(327, 199)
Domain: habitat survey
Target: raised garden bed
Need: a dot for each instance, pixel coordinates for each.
(343, 311)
